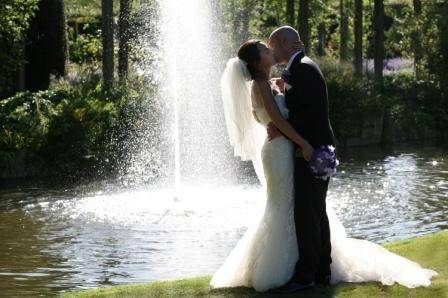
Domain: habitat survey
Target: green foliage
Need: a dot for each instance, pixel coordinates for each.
(349, 97)
(24, 122)
(414, 104)
(85, 10)
(73, 126)
(15, 16)
(85, 48)
(80, 130)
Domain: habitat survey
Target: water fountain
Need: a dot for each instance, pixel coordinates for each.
(180, 56)
(193, 64)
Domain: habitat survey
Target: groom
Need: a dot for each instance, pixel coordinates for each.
(307, 101)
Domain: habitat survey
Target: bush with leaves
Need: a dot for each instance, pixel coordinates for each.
(77, 127)
(86, 45)
(415, 106)
(15, 16)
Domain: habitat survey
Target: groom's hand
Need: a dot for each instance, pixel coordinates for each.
(273, 132)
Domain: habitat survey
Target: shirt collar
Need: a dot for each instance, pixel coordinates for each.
(291, 60)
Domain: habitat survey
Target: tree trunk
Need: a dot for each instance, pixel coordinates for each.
(123, 39)
(443, 29)
(20, 84)
(417, 40)
(60, 48)
(322, 32)
(358, 36)
(108, 42)
(304, 27)
(290, 15)
(343, 50)
(46, 45)
(378, 28)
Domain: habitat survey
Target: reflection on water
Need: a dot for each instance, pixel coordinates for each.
(55, 239)
(392, 196)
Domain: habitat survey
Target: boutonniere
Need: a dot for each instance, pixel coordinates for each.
(286, 77)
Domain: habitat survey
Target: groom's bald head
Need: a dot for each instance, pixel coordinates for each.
(282, 41)
(285, 32)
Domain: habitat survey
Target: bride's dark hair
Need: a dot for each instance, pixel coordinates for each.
(250, 54)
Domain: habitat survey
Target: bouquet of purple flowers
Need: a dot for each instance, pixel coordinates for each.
(323, 162)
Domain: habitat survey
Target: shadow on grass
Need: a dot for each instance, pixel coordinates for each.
(317, 292)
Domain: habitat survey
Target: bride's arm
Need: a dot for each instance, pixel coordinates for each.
(274, 113)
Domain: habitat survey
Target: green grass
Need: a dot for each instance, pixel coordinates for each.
(431, 251)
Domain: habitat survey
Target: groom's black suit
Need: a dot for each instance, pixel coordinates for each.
(307, 102)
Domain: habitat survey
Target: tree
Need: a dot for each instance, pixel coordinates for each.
(303, 21)
(443, 33)
(123, 39)
(237, 14)
(378, 29)
(343, 50)
(46, 45)
(15, 18)
(417, 40)
(108, 42)
(443, 50)
(357, 26)
(290, 12)
(322, 35)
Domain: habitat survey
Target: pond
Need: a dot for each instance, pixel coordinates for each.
(57, 238)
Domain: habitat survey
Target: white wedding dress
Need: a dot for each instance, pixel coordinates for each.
(266, 255)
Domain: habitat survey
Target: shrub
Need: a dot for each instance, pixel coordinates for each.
(413, 105)
(15, 16)
(76, 126)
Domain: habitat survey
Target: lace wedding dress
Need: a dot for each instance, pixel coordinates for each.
(266, 255)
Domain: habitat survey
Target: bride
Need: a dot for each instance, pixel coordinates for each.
(266, 255)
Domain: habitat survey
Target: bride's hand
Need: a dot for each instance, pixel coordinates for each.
(274, 86)
(307, 151)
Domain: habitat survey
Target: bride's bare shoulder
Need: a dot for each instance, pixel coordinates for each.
(256, 94)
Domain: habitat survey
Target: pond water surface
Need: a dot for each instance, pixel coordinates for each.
(55, 238)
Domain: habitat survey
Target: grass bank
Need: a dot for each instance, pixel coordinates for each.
(430, 251)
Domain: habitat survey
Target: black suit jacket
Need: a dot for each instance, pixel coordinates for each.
(307, 102)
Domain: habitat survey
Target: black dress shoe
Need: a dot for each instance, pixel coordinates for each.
(325, 280)
(293, 287)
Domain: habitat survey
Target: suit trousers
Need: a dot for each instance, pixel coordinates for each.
(312, 227)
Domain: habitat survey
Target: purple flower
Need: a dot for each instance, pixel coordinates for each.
(323, 162)
(286, 76)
